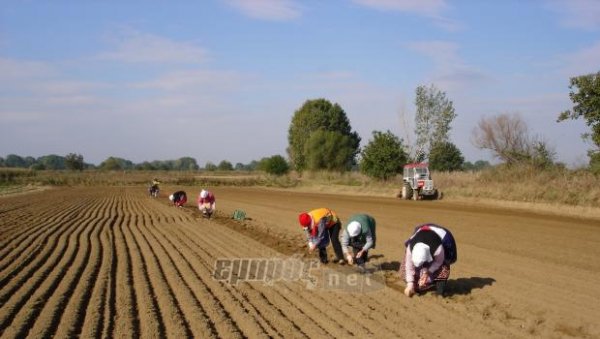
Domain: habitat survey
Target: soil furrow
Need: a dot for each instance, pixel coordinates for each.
(54, 308)
(127, 291)
(150, 319)
(168, 305)
(32, 301)
(210, 305)
(75, 311)
(251, 320)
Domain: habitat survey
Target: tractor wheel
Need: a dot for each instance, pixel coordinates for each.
(436, 195)
(407, 192)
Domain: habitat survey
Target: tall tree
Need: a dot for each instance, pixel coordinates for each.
(74, 162)
(585, 94)
(51, 162)
(315, 115)
(225, 165)
(330, 151)
(505, 135)
(383, 157)
(445, 156)
(433, 117)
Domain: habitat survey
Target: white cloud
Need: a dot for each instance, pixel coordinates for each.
(135, 47)
(583, 14)
(584, 61)
(431, 9)
(277, 10)
(423, 7)
(449, 71)
(11, 69)
(195, 81)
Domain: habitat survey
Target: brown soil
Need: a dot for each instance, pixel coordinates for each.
(112, 262)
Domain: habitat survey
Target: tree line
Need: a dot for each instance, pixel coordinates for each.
(320, 137)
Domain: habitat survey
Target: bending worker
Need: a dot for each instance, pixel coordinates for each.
(358, 238)
(321, 225)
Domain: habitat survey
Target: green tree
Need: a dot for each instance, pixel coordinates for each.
(185, 164)
(585, 94)
(13, 160)
(383, 157)
(74, 162)
(51, 162)
(319, 115)
(225, 166)
(328, 150)
(276, 165)
(210, 166)
(445, 156)
(111, 164)
(433, 117)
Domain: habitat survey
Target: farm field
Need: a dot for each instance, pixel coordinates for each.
(111, 262)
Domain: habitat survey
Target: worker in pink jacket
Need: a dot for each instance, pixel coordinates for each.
(206, 203)
(429, 253)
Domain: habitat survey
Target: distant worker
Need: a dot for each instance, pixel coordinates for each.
(178, 198)
(429, 253)
(358, 238)
(321, 225)
(206, 203)
(153, 190)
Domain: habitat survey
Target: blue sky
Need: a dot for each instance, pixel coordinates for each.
(221, 79)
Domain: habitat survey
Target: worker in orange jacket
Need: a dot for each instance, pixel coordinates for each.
(320, 225)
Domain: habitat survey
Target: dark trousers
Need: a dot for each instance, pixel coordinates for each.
(334, 235)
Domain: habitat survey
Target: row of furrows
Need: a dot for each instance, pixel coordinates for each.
(296, 307)
(30, 210)
(69, 321)
(33, 295)
(46, 218)
(17, 271)
(218, 318)
(120, 266)
(180, 304)
(290, 310)
(34, 248)
(214, 300)
(64, 298)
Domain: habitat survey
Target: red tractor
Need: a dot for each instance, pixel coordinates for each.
(417, 183)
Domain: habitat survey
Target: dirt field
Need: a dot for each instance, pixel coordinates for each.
(113, 262)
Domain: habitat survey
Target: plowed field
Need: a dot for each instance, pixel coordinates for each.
(112, 262)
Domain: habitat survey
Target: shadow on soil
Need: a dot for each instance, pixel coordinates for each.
(460, 286)
(463, 286)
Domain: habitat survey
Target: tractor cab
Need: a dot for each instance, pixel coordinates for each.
(417, 182)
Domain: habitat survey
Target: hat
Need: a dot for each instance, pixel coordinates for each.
(203, 194)
(421, 254)
(304, 219)
(171, 197)
(354, 228)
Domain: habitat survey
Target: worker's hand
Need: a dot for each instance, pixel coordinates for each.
(311, 246)
(409, 291)
(360, 253)
(349, 259)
